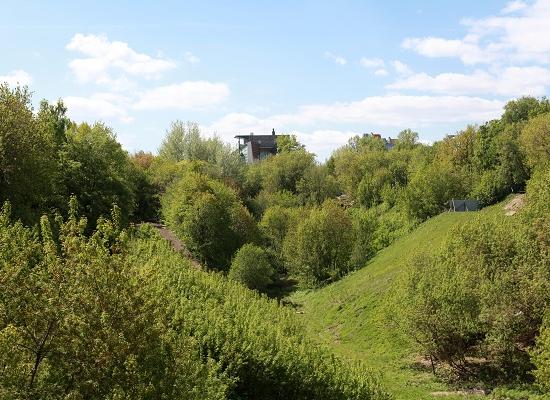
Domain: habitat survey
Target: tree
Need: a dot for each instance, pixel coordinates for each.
(288, 144)
(183, 141)
(535, 141)
(28, 162)
(364, 228)
(251, 267)
(283, 171)
(316, 185)
(430, 189)
(318, 250)
(208, 216)
(524, 108)
(97, 171)
(482, 295)
(407, 139)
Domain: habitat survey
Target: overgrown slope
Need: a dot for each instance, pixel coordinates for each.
(352, 315)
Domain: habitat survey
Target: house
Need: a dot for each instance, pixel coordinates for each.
(257, 147)
(388, 143)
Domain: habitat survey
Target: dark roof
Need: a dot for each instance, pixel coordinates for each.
(262, 140)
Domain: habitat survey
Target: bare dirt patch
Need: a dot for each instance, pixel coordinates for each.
(176, 244)
(514, 205)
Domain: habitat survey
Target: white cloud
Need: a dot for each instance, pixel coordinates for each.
(191, 58)
(17, 77)
(103, 57)
(518, 38)
(99, 106)
(514, 6)
(336, 58)
(371, 62)
(381, 72)
(324, 141)
(390, 110)
(511, 81)
(185, 95)
(401, 68)
(438, 47)
(400, 110)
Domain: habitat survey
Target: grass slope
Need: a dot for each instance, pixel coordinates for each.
(351, 315)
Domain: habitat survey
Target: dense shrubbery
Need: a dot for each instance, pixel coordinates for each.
(483, 296)
(209, 217)
(258, 344)
(76, 321)
(108, 316)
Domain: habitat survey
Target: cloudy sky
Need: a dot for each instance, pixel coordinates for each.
(322, 70)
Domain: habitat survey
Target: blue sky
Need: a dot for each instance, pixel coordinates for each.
(322, 70)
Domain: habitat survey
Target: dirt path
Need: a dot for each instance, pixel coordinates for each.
(514, 205)
(176, 244)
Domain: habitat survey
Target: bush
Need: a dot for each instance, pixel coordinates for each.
(209, 218)
(482, 295)
(251, 267)
(541, 356)
(318, 249)
(365, 224)
(76, 320)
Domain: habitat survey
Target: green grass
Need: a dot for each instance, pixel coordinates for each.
(351, 315)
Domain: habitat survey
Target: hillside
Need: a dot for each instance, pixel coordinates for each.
(351, 315)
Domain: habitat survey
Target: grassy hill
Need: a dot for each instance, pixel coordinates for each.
(351, 315)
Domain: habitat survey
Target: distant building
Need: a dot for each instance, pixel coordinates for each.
(388, 143)
(257, 147)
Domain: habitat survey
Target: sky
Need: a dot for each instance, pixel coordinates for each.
(322, 70)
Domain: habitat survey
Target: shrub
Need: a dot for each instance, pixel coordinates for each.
(534, 141)
(541, 356)
(482, 295)
(365, 224)
(251, 267)
(76, 320)
(318, 250)
(208, 217)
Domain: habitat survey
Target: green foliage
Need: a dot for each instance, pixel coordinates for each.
(524, 108)
(27, 161)
(538, 195)
(259, 344)
(318, 250)
(430, 189)
(76, 320)
(541, 356)
(183, 141)
(354, 317)
(285, 170)
(535, 142)
(97, 171)
(316, 186)
(482, 295)
(365, 225)
(288, 144)
(208, 216)
(407, 139)
(251, 267)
